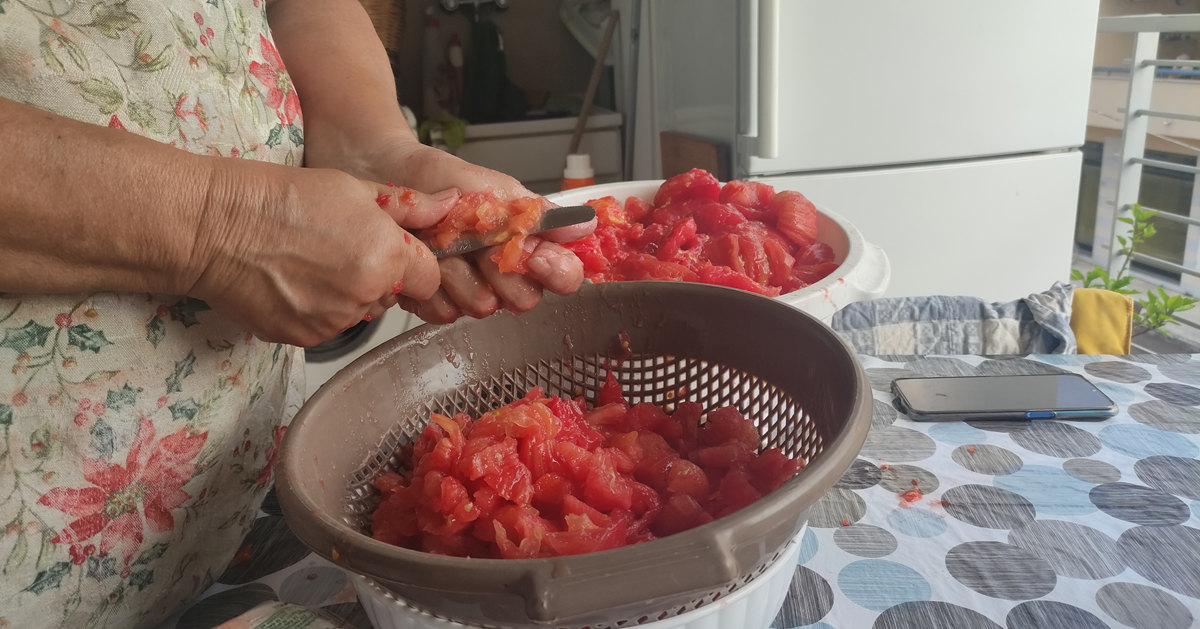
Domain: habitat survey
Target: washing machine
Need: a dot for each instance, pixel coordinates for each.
(324, 360)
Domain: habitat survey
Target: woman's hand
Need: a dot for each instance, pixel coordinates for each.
(296, 255)
(474, 285)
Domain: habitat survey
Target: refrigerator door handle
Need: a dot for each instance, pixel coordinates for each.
(768, 79)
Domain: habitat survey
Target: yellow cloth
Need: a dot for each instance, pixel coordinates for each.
(1102, 321)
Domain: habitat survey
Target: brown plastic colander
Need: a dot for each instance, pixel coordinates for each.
(781, 367)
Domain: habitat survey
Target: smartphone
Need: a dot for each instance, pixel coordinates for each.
(1048, 396)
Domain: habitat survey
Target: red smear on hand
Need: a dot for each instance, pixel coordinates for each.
(367, 318)
(398, 286)
(383, 200)
(391, 185)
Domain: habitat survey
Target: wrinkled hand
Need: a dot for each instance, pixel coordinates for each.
(474, 285)
(297, 254)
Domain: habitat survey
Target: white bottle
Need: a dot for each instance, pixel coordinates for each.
(578, 172)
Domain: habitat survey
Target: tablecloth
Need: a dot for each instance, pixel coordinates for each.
(958, 525)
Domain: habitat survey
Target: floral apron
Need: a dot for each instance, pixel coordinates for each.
(139, 431)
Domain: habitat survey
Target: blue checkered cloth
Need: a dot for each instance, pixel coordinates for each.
(1037, 324)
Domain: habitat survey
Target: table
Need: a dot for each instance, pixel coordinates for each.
(976, 525)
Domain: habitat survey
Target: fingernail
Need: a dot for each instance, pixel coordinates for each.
(446, 195)
(399, 286)
(538, 266)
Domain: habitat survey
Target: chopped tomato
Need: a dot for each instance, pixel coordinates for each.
(734, 492)
(637, 210)
(750, 197)
(514, 255)
(546, 476)
(610, 393)
(609, 211)
(796, 215)
(494, 220)
(816, 253)
(725, 276)
(715, 217)
(694, 184)
(813, 274)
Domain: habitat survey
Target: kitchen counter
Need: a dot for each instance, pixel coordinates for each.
(976, 525)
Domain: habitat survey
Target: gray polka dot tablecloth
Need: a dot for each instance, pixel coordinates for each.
(957, 525)
(1023, 525)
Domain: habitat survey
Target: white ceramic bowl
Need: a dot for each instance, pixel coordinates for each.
(752, 606)
(863, 275)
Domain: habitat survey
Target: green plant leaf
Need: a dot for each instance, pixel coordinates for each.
(17, 555)
(180, 312)
(156, 331)
(141, 42)
(1126, 220)
(112, 19)
(25, 337)
(140, 579)
(101, 568)
(101, 376)
(142, 113)
(241, 21)
(76, 54)
(275, 136)
(52, 61)
(184, 409)
(1121, 239)
(164, 59)
(1076, 274)
(184, 34)
(121, 399)
(86, 339)
(103, 440)
(50, 578)
(103, 93)
(183, 369)
(150, 554)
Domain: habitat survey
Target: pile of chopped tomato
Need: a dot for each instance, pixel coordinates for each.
(495, 221)
(546, 476)
(742, 235)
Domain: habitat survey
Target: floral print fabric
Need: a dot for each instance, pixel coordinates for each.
(138, 431)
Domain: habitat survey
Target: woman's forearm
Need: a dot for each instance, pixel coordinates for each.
(84, 207)
(344, 81)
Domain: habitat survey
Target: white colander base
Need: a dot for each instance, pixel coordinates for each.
(754, 605)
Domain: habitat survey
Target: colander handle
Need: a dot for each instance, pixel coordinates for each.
(656, 574)
(873, 274)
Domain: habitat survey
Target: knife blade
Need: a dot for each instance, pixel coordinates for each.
(553, 218)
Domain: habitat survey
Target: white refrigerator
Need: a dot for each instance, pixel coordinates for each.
(946, 130)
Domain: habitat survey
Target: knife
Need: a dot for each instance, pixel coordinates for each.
(553, 218)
